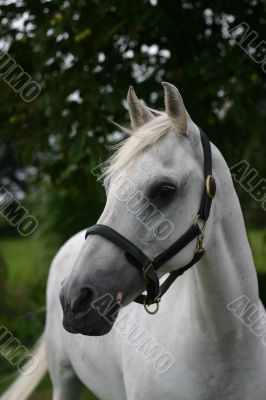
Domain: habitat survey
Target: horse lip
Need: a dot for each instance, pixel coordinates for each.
(69, 327)
(101, 328)
(72, 324)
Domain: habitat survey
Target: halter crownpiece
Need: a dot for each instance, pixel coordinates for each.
(148, 266)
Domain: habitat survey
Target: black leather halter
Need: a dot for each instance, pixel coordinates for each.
(149, 266)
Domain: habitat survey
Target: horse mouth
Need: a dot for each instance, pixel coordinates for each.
(92, 323)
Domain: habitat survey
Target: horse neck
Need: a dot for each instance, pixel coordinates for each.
(227, 270)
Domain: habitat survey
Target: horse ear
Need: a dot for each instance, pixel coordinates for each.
(175, 108)
(139, 113)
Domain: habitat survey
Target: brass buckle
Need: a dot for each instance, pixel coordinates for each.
(157, 301)
(209, 179)
(145, 270)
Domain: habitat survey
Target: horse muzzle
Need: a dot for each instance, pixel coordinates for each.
(83, 316)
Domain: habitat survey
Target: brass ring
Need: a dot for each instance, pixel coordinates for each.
(209, 179)
(147, 307)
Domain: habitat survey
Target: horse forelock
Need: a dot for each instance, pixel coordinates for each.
(136, 143)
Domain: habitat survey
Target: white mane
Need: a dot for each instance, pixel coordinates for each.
(136, 143)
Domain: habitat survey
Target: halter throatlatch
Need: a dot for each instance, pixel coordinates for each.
(148, 266)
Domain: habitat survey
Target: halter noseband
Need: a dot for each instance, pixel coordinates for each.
(148, 266)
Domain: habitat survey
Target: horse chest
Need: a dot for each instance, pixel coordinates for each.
(150, 360)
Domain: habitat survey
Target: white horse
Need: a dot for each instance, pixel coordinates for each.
(194, 348)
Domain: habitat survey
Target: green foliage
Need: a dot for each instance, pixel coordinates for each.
(66, 206)
(257, 240)
(27, 263)
(3, 272)
(98, 48)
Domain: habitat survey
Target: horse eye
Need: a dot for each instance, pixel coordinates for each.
(164, 192)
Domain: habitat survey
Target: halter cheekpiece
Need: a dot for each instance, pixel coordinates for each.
(148, 266)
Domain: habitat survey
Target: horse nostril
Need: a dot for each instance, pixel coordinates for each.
(83, 301)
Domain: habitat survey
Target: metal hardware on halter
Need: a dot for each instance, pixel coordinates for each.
(157, 301)
(200, 238)
(196, 222)
(199, 246)
(209, 182)
(145, 270)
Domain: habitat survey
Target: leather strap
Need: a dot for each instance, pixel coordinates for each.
(177, 246)
(134, 255)
(170, 280)
(139, 260)
(206, 200)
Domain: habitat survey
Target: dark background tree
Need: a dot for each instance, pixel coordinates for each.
(84, 54)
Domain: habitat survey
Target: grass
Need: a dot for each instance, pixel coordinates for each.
(28, 262)
(22, 256)
(27, 269)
